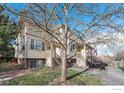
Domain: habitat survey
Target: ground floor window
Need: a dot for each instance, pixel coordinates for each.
(33, 64)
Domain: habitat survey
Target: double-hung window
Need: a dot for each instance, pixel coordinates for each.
(43, 46)
(38, 45)
(32, 44)
(72, 47)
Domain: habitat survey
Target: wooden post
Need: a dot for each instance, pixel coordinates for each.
(26, 47)
(17, 50)
(51, 48)
(85, 53)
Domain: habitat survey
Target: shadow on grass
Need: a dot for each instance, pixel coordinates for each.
(77, 74)
(76, 80)
(122, 68)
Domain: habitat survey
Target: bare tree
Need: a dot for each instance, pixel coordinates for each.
(94, 23)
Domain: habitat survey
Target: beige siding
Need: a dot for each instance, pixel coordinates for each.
(31, 32)
(36, 54)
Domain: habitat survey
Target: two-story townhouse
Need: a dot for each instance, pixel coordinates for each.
(36, 48)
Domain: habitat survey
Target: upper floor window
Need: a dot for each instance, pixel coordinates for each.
(38, 45)
(72, 47)
(22, 42)
(43, 46)
(32, 44)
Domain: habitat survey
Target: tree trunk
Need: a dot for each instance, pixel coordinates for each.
(64, 69)
(64, 55)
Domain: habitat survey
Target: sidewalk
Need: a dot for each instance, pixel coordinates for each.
(11, 74)
(113, 76)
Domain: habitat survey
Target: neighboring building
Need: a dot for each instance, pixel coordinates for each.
(110, 60)
(116, 63)
(36, 48)
(107, 58)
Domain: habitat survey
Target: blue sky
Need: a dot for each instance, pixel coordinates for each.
(18, 6)
(100, 10)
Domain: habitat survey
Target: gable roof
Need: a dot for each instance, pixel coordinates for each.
(71, 34)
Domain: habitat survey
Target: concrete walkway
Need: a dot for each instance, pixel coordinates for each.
(11, 74)
(112, 76)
